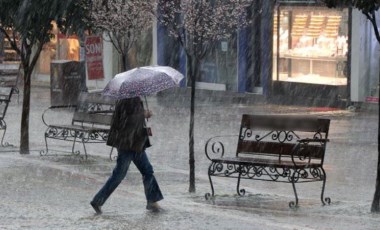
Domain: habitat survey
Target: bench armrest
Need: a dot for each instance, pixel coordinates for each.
(55, 107)
(299, 147)
(215, 146)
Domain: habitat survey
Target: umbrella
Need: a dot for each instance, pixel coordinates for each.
(142, 81)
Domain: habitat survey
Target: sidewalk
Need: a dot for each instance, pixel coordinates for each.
(54, 192)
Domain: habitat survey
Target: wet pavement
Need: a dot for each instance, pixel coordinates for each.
(53, 192)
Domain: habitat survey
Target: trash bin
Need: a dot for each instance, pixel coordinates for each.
(68, 79)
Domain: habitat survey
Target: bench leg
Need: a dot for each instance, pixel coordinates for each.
(46, 146)
(84, 148)
(82, 137)
(240, 192)
(75, 138)
(3, 126)
(76, 153)
(293, 204)
(46, 151)
(324, 199)
(210, 170)
(42, 152)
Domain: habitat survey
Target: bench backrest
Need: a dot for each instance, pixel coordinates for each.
(9, 74)
(5, 97)
(94, 108)
(278, 134)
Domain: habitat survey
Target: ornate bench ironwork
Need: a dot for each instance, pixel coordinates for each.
(275, 148)
(90, 123)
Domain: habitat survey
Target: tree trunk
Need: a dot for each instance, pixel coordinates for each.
(193, 74)
(24, 138)
(123, 62)
(376, 198)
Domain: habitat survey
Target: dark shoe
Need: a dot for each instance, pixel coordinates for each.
(96, 208)
(154, 207)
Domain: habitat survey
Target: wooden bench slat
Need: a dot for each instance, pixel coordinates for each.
(96, 118)
(285, 149)
(95, 99)
(281, 122)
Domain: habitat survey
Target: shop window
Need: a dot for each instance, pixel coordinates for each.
(310, 45)
(219, 67)
(68, 47)
(60, 47)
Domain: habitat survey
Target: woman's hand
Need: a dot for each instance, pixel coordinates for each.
(148, 113)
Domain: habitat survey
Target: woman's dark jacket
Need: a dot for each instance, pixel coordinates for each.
(127, 128)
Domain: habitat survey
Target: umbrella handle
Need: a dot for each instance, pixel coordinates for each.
(147, 108)
(146, 102)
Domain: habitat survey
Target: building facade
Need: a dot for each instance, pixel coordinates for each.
(298, 51)
(294, 50)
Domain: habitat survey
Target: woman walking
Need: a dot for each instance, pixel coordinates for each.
(129, 136)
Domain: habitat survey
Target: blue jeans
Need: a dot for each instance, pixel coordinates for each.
(151, 188)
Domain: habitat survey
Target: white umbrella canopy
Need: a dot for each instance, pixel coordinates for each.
(142, 81)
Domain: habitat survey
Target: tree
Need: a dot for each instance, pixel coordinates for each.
(197, 25)
(369, 9)
(123, 21)
(30, 25)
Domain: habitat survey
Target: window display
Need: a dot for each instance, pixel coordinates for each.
(60, 47)
(310, 45)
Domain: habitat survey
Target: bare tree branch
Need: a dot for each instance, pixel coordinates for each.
(123, 20)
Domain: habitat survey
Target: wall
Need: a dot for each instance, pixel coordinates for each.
(375, 62)
(360, 54)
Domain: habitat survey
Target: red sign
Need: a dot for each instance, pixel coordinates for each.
(372, 99)
(94, 57)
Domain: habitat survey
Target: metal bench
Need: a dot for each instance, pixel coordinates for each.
(5, 99)
(90, 123)
(274, 148)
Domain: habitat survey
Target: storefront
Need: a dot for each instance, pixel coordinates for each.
(311, 52)
(218, 69)
(329, 55)
(60, 47)
(310, 57)
(310, 45)
(295, 50)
